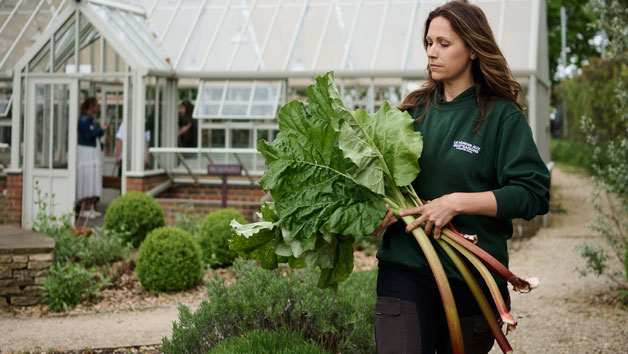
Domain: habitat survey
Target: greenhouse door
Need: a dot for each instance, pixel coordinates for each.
(50, 147)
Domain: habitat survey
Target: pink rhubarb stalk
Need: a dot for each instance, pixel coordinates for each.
(451, 313)
(479, 297)
(490, 282)
(519, 284)
(472, 238)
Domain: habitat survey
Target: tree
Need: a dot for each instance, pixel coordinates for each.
(580, 33)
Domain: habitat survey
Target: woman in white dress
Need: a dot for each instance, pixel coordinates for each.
(89, 175)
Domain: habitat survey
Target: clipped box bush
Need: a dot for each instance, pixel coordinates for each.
(169, 260)
(213, 237)
(260, 341)
(136, 214)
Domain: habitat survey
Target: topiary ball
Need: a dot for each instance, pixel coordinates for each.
(136, 214)
(213, 237)
(169, 260)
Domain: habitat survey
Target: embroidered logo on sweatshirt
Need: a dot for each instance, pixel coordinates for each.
(464, 146)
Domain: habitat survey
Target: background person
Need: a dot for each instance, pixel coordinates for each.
(187, 136)
(89, 168)
(479, 169)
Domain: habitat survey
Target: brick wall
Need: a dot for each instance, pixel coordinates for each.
(206, 198)
(144, 184)
(13, 200)
(4, 207)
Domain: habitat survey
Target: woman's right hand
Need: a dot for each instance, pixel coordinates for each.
(388, 220)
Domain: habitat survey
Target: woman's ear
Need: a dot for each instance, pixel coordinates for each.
(473, 55)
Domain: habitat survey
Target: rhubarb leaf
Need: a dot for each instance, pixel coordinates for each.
(382, 145)
(310, 180)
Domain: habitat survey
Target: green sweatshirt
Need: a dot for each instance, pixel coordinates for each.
(501, 157)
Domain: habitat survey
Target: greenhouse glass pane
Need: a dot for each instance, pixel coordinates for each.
(41, 61)
(367, 27)
(179, 29)
(417, 58)
(241, 138)
(132, 32)
(226, 40)
(280, 40)
(230, 109)
(252, 40)
(197, 45)
(394, 37)
(238, 93)
(309, 37)
(336, 38)
(263, 110)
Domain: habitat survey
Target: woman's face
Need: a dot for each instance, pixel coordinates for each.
(448, 56)
(94, 108)
(181, 110)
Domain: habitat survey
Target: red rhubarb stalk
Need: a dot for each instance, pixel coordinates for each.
(451, 313)
(479, 297)
(490, 282)
(519, 284)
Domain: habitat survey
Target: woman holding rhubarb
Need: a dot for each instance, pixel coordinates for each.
(480, 169)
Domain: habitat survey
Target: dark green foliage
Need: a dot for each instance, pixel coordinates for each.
(135, 213)
(100, 248)
(214, 236)
(68, 285)
(593, 94)
(572, 152)
(169, 260)
(341, 321)
(262, 341)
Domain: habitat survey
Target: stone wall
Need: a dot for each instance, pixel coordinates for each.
(24, 258)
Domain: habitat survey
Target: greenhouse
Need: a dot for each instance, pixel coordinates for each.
(238, 62)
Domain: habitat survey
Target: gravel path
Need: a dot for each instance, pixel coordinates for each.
(566, 314)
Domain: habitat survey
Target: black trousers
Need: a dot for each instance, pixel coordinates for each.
(410, 317)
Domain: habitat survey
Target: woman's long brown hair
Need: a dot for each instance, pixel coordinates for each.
(491, 74)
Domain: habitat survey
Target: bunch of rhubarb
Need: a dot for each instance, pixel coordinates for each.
(331, 172)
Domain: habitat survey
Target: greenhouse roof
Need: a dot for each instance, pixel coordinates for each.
(258, 39)
(290, 36)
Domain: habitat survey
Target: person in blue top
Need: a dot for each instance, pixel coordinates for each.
(89, 169)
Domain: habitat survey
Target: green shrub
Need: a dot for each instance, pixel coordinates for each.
(67, 285)
(572, 152)
(187, 219)
(135, 213)
(262, 299)
(214, 236)
(169, 260)
(261, 341)
(101, 248)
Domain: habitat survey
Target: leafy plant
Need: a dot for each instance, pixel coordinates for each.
(273, 300)
(169, 260)
(610, 168)
(187, 219)
(214, 234)
(134, 214)
(67, 285)
(259, 341)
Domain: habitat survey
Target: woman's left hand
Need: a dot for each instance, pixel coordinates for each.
(436, 214)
